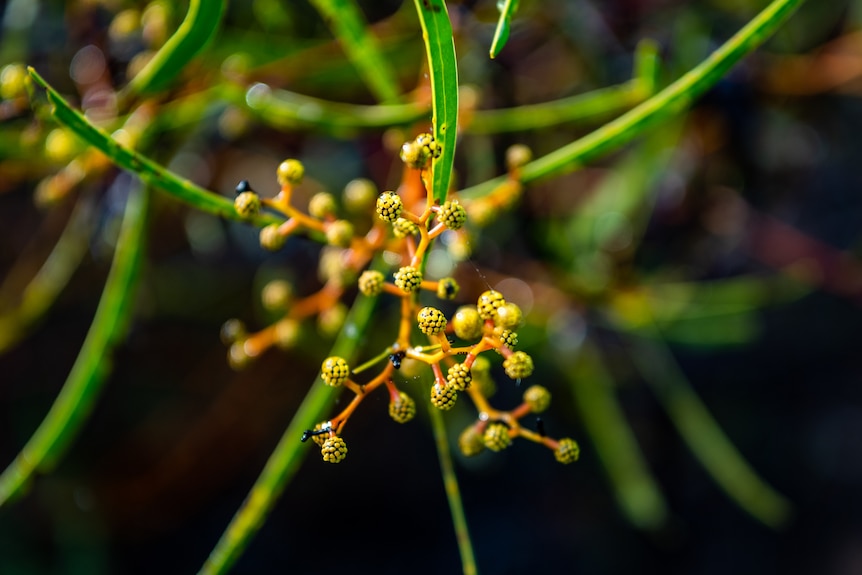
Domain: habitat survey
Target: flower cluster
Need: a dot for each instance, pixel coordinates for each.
(455, 349)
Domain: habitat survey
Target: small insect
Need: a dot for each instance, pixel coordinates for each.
(243, 186)
(540, 426)
(309, 433)
(396, 358)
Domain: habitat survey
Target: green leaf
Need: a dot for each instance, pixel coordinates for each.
(702, 434)
(84, 383)
(349, 26)
(671, 101)
(285, 459)
(289, 110)
(443, 68)
(616, 446)
(42, 290)
(501, 34)
(197, 29)
(148, 170)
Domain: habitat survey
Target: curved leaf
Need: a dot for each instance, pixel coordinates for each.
(672, 100)
(84, 383)
(285, 459)
(443, 68)
(148, 170)
(197, 29)
(349, 26)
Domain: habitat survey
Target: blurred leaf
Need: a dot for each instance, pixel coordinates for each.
(197, 29)
(81, 389)
(501, 33)
(702, 434)
(149, 171)
(349, 26)
(634, 486)
(671, 101)
(285, 459)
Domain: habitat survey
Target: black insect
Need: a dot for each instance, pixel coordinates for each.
(308, 433)
(243, 186)
(396, 358)
(540, 426)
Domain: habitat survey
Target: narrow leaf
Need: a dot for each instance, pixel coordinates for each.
(635, 487)
(197, 29)
(148, 170)
(501, 34)
(82, 387)
(348, 24)
(285, 459)
(443, 68)
(702, 434)
(673, 100)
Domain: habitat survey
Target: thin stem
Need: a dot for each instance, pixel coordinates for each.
(453, 494)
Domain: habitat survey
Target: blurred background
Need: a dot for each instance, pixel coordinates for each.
(719, 253)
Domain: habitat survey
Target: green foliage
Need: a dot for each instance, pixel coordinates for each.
(645, 314)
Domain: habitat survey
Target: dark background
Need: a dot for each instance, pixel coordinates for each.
(177, 438)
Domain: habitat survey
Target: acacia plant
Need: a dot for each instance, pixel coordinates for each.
(393, 248)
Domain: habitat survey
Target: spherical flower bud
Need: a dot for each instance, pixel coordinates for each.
(459, 377)
(567, 451)
(271, 238)
(60, 145)
(482, 212)
(334, 371)
(334, 450)
(517, 156)
(290, 172)
(408, 279)
(371, 282)
(427, 142)
(508, 316)
(414, 155)
(447, 288)
(482, 380)
(402, 227)
(339, 233)
(359, 195)
(331, 320)
(237, 357)
(332, 268)
(231, 331)
(470, 442)
(13, 81)
(321, 205)
(443, 396)
(452, 214)
(496, 436)
(538, 398)
(247, 204)
(467, 323)
(488, 303)
(507, 337)
(276, 295)
(518, 365)
(124, 24)
(320, 438)
(431, 320)
(286, 333)
(402, 409)
(389, 206)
